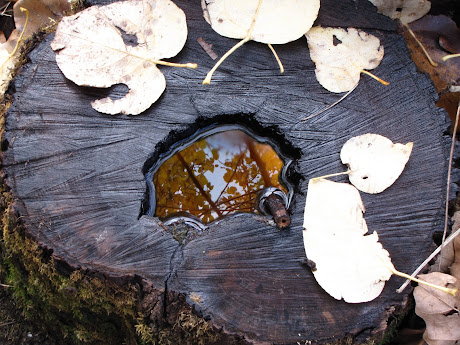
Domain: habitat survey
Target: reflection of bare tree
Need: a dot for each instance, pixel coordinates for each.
(216, 176)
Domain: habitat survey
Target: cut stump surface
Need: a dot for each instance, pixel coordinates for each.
(77, 176)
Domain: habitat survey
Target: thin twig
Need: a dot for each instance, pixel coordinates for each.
(7, 323)
(452, 236)
(332, 105)
(424, 263)
(4, 285)
(449, 172)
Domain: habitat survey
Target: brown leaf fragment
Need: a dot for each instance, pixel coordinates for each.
(207, 47)
(439, 310)
(42, 13)
(429, 30)
(439, 35)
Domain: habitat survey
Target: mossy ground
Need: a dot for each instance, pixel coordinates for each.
(80, 306)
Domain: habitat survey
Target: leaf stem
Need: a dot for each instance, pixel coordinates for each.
(452, 292)
(420, 44)
(451, 56)
(424, 263)
(331, 175)
(172, 64)
(375, 77)
(277, 58)
(22, 32)
(332, 105)
(207, 80)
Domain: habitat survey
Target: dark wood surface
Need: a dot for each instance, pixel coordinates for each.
(78, 176)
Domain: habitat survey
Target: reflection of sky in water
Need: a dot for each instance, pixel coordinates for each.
(228, 144)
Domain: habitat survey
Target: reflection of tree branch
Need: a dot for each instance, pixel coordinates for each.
(231, 177)
(237, 197)
(260, 163)
(198, 184)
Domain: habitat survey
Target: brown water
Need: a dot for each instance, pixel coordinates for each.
(216, 176)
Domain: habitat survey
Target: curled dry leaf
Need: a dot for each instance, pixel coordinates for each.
(439, 310)
(42, 13)
(374, 161)
(39, 15)
(342, 55)
(348, 264)
(277, 22)
(406, 11)
(91, 50)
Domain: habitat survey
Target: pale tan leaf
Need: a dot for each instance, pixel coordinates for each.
(375, 162)
(277, 22)
(91, 50)
(342, 55)
(405, 10)
(348, 265)
(439, 310)
(341, 200)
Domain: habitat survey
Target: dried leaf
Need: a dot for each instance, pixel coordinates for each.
(39, 14)
(91, 50)
(342, 55)
(348, 265)
(277, 22)
(375, 162)
(406, 11)
(42, 13)
(439, 310)
(440, 36)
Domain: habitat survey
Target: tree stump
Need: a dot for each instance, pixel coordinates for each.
(78, 178)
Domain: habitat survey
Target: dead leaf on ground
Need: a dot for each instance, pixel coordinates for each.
(440, 36)
(348, 264)
(374, 161)
(439, 310)
(341, 55)
(40, 14)
(406, 11)
(91, 50)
